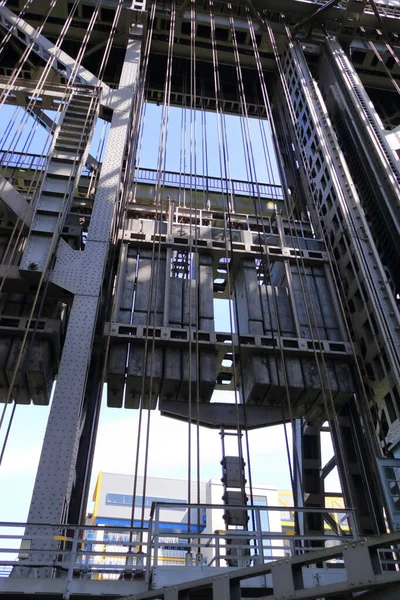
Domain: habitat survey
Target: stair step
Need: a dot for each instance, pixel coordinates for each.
(60, 169)
(60, 156)
(56, 186)
(69, 145)
(49, 204)
(79, 108)
(74, 136)
(71, 125)
(71, 115)
(81, 99)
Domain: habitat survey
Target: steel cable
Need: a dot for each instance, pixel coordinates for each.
(229, 258)
(44, 277)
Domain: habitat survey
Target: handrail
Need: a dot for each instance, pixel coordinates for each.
(87, 558)
(211, 183)
(111, 549)
(30, 160)
(305, 509)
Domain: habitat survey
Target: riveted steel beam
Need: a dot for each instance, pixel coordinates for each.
(56, 472)
(62, 62)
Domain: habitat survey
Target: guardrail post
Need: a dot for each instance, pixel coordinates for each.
(156, 536)
(70, 574)
(259, 534)
(148, 551)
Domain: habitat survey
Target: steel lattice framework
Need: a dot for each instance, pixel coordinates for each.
(110, 271)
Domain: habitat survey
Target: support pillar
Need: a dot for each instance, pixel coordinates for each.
(56, 472)
(313, 484)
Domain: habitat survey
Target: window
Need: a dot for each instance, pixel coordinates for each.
(126, 500)
(118, 499)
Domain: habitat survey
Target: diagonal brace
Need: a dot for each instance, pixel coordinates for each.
(63, 63)
(314, 15)
(18, 207)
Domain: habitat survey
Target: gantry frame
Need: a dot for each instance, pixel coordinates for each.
(62, 478)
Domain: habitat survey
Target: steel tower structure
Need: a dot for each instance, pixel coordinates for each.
(109, 273)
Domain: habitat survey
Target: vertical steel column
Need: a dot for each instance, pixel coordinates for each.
(338, 216)
(298, 470)
(56, 471)
(312, 482)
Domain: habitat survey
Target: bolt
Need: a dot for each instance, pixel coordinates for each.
(33, 266)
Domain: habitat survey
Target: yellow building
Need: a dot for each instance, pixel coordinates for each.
(331, 502)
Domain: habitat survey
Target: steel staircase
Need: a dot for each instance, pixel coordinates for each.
(67, 157)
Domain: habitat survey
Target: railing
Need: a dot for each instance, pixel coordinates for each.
(66, 554)
(22, 160)
(246, 547)
(112, 552)
(83, 551)
(212, 184)
(28, 161)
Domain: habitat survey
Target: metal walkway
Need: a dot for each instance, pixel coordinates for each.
(105, 561)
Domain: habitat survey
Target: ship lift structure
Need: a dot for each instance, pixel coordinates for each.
(110, 271)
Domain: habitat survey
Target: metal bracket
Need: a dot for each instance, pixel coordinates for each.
(358, 564)
(282, 578)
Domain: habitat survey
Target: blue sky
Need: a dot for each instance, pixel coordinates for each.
(117, 430)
